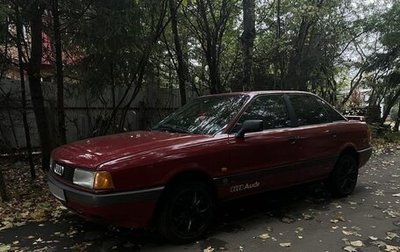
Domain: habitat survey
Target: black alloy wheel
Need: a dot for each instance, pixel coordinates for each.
(187, 212)
(343, 179)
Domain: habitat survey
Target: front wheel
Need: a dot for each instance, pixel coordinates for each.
(343, 178)
(187, 212)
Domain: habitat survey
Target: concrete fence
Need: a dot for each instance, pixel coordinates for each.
(85, 109)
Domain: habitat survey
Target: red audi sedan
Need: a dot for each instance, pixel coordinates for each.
(213, 149)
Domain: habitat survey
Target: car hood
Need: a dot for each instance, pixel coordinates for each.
(91, 153)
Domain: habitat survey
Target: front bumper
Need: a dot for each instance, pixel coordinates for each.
(128, 209)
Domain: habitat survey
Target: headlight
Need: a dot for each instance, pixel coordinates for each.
(94, 180)
(83, 178)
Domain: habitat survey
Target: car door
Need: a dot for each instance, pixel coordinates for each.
(258, 160)
(314, 136)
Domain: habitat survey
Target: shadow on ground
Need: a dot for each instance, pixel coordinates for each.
(70, 232)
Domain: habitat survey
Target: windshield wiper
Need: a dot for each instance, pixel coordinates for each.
(170, 128)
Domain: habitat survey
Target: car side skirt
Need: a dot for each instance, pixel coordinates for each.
(266, 179)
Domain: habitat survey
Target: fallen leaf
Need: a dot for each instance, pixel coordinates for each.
(307, 216)
(264, 236)
(5, 247)
(38, 215)
(390, 236)
(285, 244)
(373, 238)
(339, 217)
(396, 195)
(392, 213)
(351, 233)
(19, 224)
(357, 243)
(378, 193)
(379, 244)
(288, 220)
(7, 226)
(208, 249)
(350, 249)
(390, 248)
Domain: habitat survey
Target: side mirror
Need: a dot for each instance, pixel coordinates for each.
(250, 126)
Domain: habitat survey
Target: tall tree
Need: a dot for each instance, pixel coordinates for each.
(116, 57)
(182, 69)
(36, 8)
(208, 20)
(384, 62)
(59, 73)
(4, 41)
(247, 40)
(3, 56)
(19, 42)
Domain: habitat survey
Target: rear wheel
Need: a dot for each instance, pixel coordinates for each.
(187, 212)
(343, 179)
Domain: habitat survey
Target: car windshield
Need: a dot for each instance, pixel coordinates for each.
(204, 115)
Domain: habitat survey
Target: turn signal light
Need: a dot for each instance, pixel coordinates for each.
(103, 180)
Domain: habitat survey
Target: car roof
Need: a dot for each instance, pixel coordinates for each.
(254, 93)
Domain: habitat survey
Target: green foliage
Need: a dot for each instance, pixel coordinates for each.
(390, 27)
(109, 39)
(311, 36)
(384, 62)
(4, 12)
(4, 9)
(299, 44)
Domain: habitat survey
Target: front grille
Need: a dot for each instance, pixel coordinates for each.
(68, 173)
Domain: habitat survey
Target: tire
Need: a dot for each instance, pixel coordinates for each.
(186, 213)
(343, 178)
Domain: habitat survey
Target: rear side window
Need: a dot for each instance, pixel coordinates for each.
(308, 110)
(271, 109)
(332, 114)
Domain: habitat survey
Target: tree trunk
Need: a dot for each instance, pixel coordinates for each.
(210, 29)
(182, 71)
(295, 75)
(279, 58)
(397, 124)
(215, 82)
(355, 82)
(35, 83)
(3, 192)
(389, 106)
(247, 40)
(23, 93)
(60, 75)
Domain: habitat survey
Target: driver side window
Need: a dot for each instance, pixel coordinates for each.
(271, 109)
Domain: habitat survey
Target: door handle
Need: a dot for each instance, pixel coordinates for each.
(333, 133)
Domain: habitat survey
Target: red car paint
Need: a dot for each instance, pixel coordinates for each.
(143, 163)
